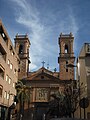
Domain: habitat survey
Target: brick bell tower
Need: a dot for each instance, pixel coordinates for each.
(66, 56)
(22, 45)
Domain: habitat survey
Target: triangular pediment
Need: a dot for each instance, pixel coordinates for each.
(42, 74)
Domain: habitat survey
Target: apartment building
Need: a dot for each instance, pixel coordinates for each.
(8, 71)
(84, 75)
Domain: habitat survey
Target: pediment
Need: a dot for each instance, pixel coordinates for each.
(42, 74)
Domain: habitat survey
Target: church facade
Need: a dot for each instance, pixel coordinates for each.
(44, 82)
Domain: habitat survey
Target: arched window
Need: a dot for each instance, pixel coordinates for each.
(20, 49)
(66, 48)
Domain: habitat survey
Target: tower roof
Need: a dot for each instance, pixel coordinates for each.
(66, 35)
(22, 37)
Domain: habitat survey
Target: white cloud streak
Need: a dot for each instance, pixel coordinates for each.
(29, 16)
(39, 33)
(69, 24)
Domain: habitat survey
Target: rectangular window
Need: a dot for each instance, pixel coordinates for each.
(15, 71)
(5, 94)
(9, 81)
(66, 70)
(8, 62)
(7, 77)
(66, 62)
(13, 84)
(11, 66)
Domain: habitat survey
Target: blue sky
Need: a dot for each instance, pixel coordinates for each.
(43, 21)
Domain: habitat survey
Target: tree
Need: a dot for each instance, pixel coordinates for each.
(71, 99)
(66, 102)
(23, 95)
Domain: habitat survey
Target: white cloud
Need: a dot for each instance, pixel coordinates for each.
(69, 24)
(32, 67)
(29, 16)
(42, 34)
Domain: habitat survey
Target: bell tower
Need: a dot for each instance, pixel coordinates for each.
(22, 45)
(66, 56)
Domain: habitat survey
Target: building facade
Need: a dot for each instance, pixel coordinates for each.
(8, 71)
(83, 75)
(43, 83)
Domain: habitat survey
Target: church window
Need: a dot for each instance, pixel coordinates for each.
(67, 70)
(66, 62)
(20, 49)
(66, 48)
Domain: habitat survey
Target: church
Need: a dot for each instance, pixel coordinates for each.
(44, 82)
